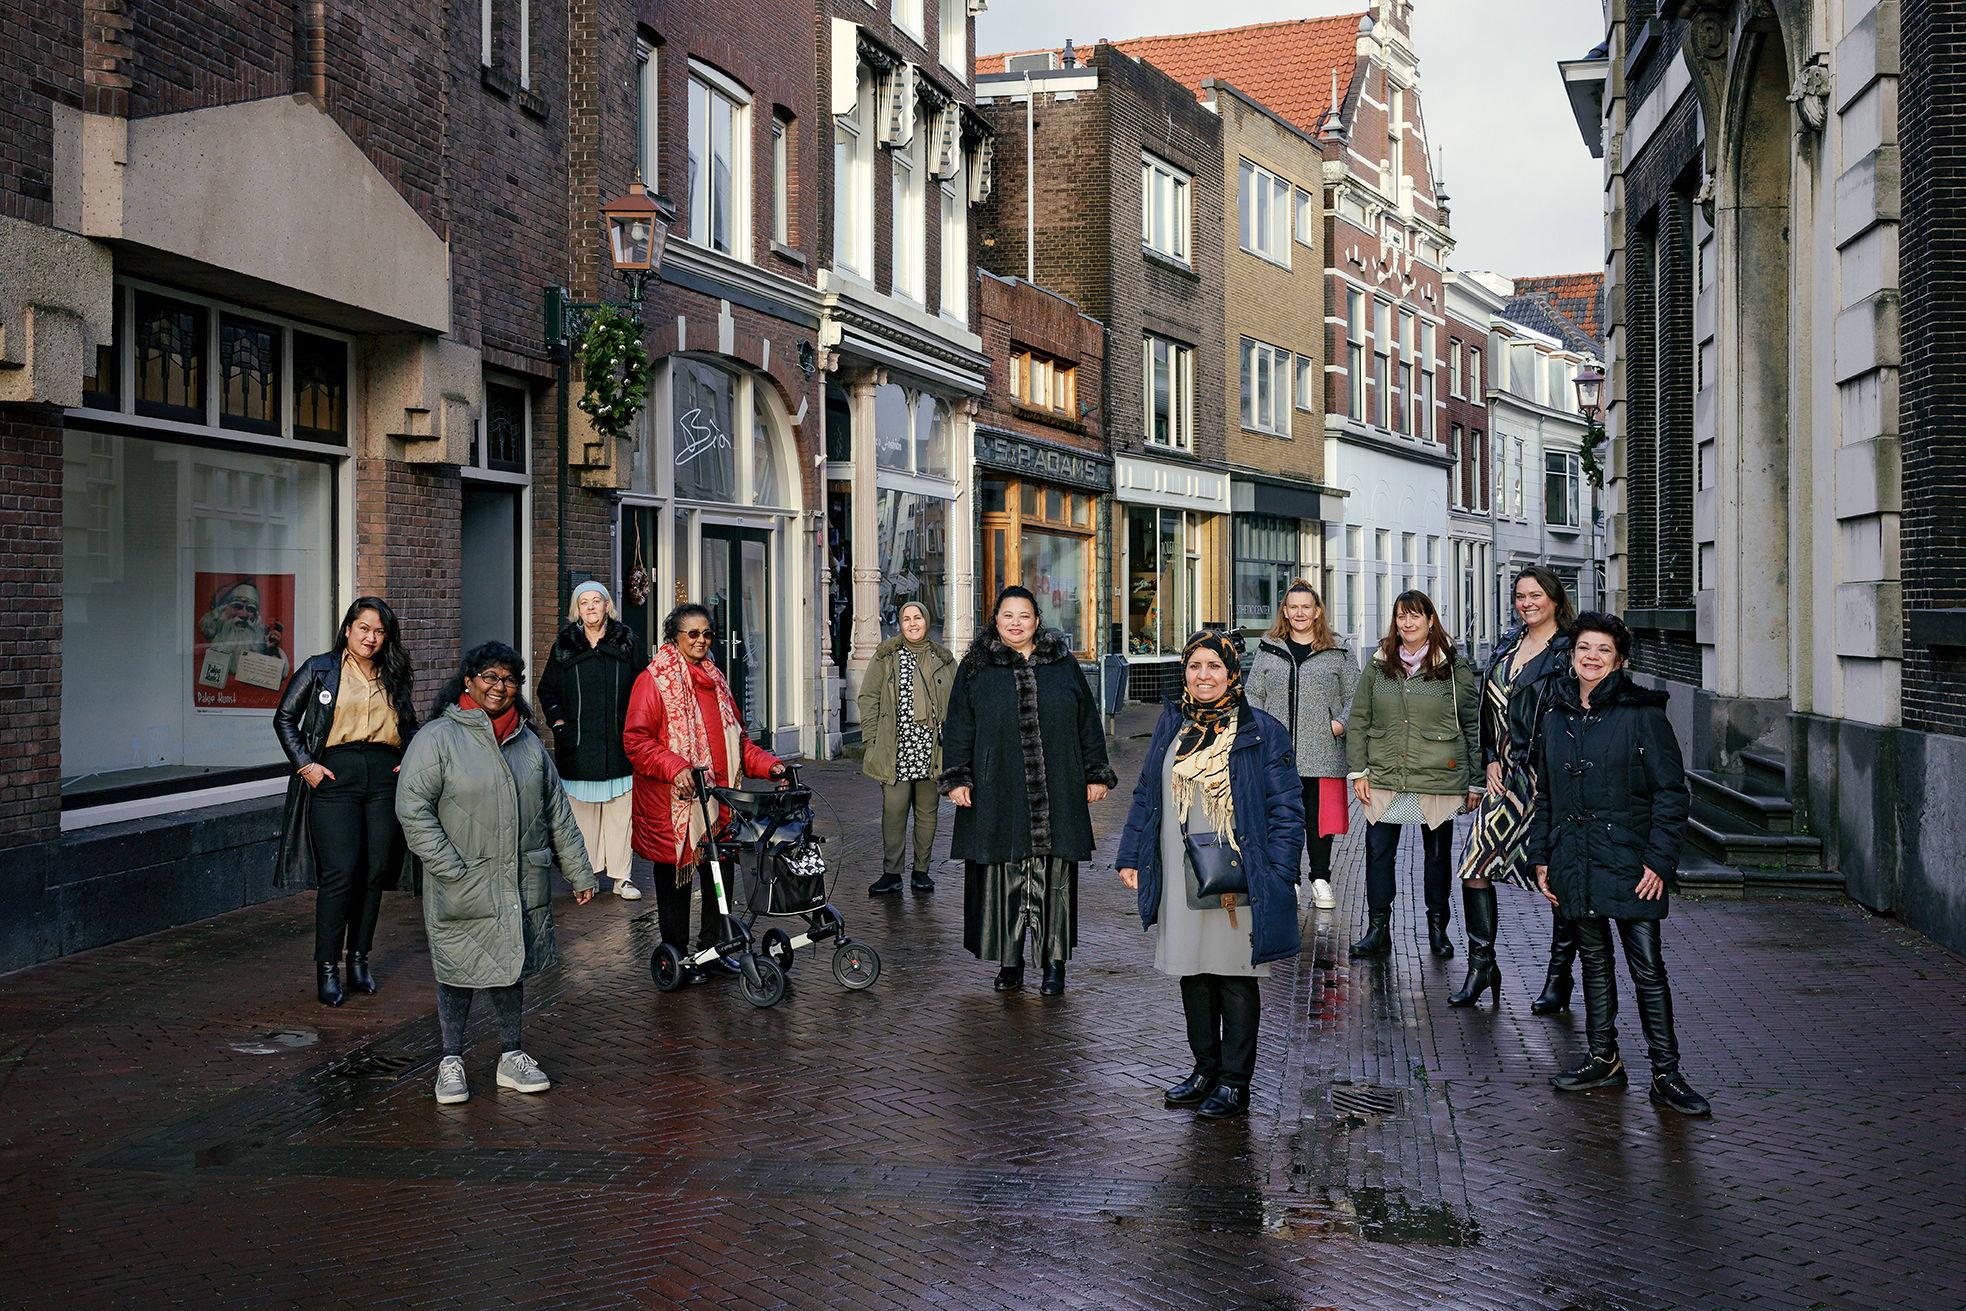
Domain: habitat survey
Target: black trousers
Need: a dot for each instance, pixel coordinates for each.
(1222, 1011)
(1382, 843)
(1646, 963)
(454, 1011)
(672, 908)
(357, 843)
(1319, 847)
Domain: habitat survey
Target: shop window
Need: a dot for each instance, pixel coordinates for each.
(1266, 564)
(320, 389)
(170, 358)
(764, 465)
(1163, 565)
(911, 431)
(195, 578)
(912, 549)
(839, 425)
(706, 464)
(249, 373)
(1040, 536)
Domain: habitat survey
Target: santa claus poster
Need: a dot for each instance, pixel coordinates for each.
(240, 624)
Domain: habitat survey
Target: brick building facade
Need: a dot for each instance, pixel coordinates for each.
(1127, 213)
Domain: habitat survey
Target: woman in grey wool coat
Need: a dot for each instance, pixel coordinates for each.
(482, 805)
(1304, 675)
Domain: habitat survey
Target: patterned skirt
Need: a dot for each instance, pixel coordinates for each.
(1498, 846)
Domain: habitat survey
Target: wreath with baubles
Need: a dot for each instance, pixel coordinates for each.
(614, 366)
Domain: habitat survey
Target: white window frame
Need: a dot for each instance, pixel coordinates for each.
(1456, 441)
(952, 43)
(1357, 333)
(479, 469)
(954, 218)
(1263, 207)
(648, 114)
(909, 218)
(1180, 395)
(853, 223)
(1456, 382)
(908, 17)
(1306, 217)
(1165, 209)
(715, 86)
(1571, 473)
(1260, 359)
(781, 180)
(1306, 383)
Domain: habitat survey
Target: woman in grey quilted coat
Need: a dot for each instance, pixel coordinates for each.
(481, 804)
(1304, 675)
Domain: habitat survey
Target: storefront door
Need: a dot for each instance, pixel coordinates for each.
(736, 587)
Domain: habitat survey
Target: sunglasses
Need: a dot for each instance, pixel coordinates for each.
(694, 632)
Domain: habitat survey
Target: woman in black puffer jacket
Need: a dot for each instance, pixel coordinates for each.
(1611, 804)
(584, 696)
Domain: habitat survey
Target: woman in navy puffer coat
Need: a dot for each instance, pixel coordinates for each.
(1217, 767)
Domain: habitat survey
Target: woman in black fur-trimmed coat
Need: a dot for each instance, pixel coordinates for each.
(1023, 757)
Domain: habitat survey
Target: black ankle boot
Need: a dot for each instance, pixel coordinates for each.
(1483, 974)
(328, 982)
(1009, 979)
(359, 978)
(1225, 1101)
(1437, 933)
(1559, 982)
(883, 885)
(1378, 939)
(922, 881)
(1053, 984)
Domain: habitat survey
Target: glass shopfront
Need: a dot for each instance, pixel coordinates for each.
(1163, 560)
(198, 524)
(1042, 538)
(913, 503)
(1268, 560)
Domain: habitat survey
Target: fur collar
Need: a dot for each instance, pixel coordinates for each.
(1051, 648)
(615, 641)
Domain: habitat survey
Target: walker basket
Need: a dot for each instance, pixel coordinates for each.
(789, 878)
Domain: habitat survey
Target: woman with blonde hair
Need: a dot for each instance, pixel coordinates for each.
(1305, 676)
(1414, 738)
(584, 695)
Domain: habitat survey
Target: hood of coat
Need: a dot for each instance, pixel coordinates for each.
(1617, 689)
(479, 722)
(1052, 647)
(617, 640)
(937, 653)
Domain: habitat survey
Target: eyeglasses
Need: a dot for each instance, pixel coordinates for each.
(496, 680)
(694, 632)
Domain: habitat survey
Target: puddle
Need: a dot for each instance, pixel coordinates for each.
(276, 1041)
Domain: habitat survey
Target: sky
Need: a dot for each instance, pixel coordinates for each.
(1527, 197)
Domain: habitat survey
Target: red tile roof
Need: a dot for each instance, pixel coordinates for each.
(1286, 65)
(1579, 297)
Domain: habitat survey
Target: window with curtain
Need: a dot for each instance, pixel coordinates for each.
(719, 170)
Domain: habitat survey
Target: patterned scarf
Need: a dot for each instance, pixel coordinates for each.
(1201, 756)
(689, 737)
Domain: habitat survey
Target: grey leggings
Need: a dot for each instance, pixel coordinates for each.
(454, 1008)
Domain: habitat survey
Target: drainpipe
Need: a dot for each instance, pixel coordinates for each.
(314, 43)
(1030, 181)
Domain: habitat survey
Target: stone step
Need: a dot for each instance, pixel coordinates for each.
(1740, 798)
(1766, 771)
(1706, 877)
(1728, 841)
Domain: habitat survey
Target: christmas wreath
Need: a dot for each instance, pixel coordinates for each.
(615, 368)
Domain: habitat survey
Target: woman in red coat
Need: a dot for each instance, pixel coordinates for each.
(681, 714)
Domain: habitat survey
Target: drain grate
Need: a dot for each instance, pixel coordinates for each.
(374, 1066)
(1365, 1100)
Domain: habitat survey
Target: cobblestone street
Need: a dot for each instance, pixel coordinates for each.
(930, 1143)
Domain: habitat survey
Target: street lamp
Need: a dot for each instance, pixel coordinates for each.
(1590, 393)
(637, 229)
(1590, 403)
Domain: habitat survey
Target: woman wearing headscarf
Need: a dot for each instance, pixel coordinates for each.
(1024, 756)
(1305, 676)
(584, 695)
(682, 716)
(342, 721)
(481, 804)
(1218, 771)
(1514, 693)
(902, 702)
(1414, 735)
(1611, 806)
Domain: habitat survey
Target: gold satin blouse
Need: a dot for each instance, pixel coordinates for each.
(362, 711)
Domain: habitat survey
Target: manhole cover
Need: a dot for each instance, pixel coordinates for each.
(375, 1066)
(275, 1041)
(1364, 1100)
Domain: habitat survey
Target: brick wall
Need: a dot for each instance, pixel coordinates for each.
(31, 83)
(1932, 126)
(1470, 487)
(30, 624)
(1018, 316)
(1266, 301)
(406, 529)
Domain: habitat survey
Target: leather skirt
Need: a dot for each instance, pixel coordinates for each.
(1038, 895)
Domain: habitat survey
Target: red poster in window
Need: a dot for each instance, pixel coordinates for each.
(239, 630)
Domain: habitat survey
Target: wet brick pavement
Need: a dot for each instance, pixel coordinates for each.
(928, 1143)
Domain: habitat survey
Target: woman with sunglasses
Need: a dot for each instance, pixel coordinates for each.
(681, 716)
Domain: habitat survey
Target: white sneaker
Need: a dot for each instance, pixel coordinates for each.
(451, 1085)
(1321, 894)
(520, 1071)
(627, 891)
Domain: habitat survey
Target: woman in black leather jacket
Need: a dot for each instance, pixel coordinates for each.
(1611, 805)
(343, 721)
(1514, 693)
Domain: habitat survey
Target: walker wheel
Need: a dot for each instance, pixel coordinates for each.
(778, 946)
(763, 982)
(666, 966)
(856, 965)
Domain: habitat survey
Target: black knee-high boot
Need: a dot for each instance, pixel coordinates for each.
(1478, 904)
(1558, 982)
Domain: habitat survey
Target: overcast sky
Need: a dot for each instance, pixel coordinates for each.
(1527, 196)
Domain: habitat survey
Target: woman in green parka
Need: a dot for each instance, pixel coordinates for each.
(903, 700)
(481, 804)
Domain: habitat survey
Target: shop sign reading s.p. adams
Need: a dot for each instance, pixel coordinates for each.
(1053, 464)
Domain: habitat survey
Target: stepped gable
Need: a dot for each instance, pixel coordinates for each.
(1287, 65)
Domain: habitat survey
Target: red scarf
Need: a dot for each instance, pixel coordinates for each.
(503, 726)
